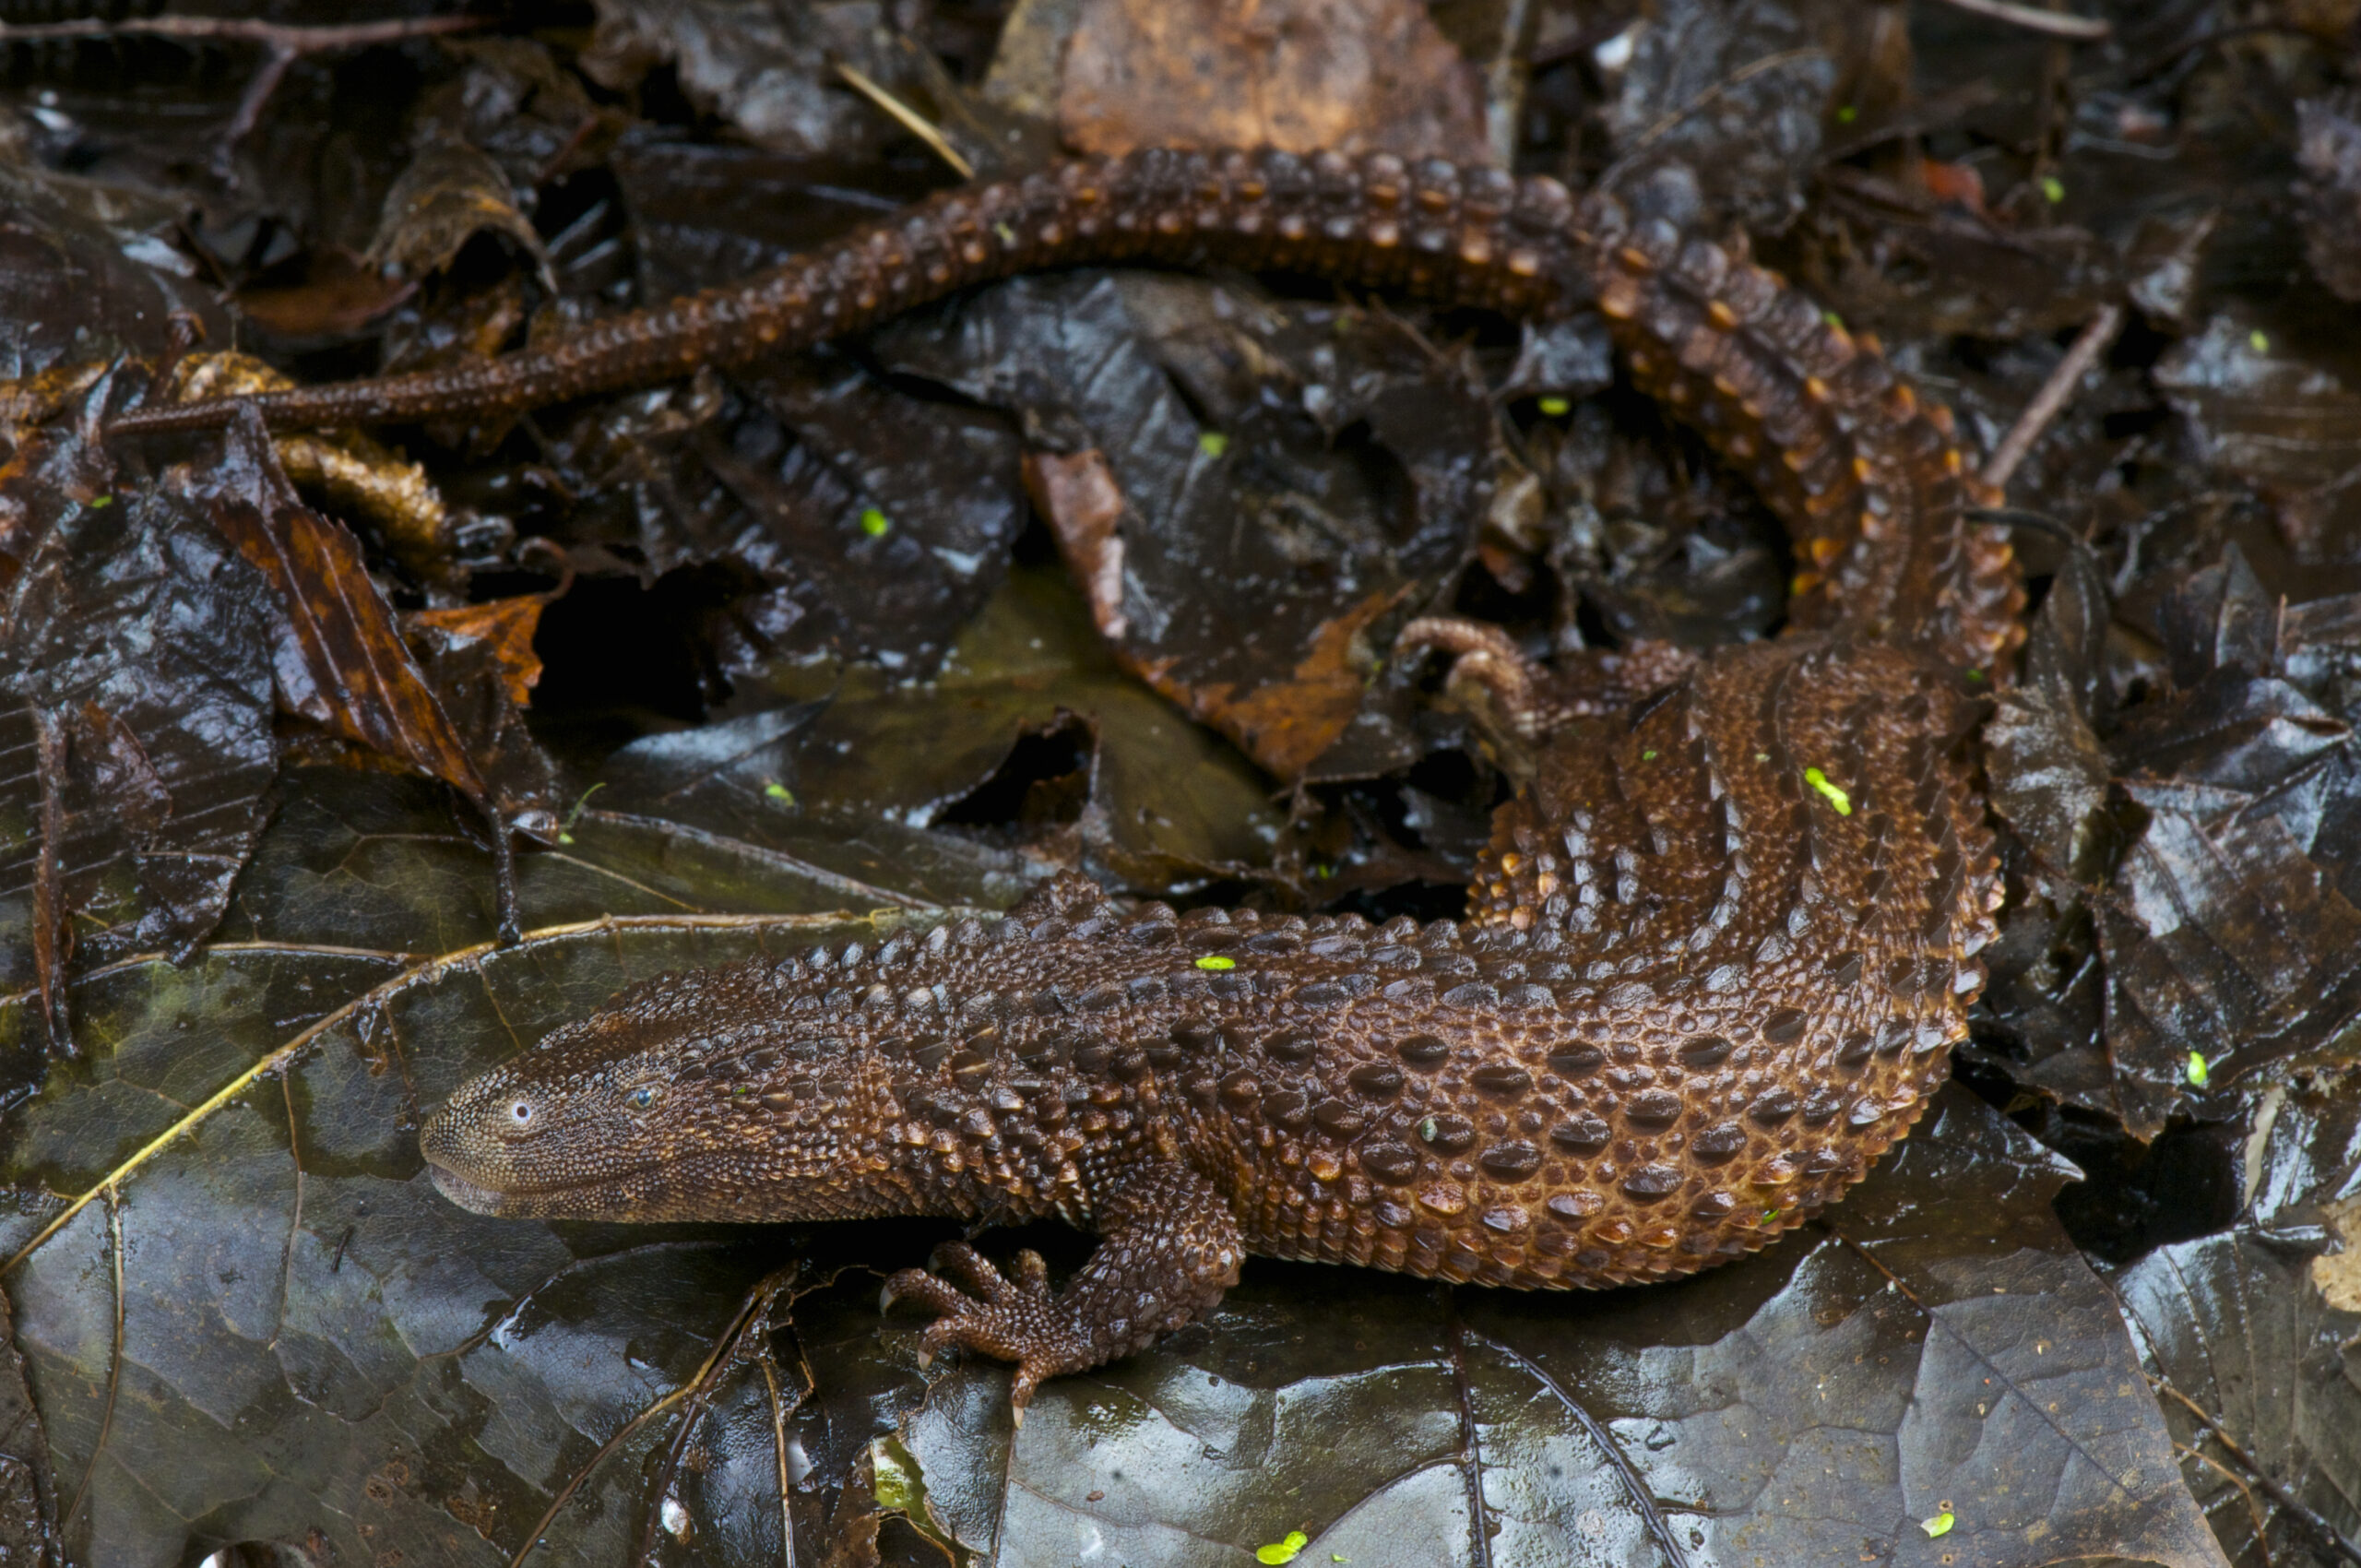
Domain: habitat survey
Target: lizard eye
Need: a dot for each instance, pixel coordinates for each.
(641, 1097)
(520, 1113)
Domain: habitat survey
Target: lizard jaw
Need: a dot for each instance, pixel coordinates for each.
(466, 1194)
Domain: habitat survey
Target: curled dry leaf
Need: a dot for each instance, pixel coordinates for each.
(1353, 75)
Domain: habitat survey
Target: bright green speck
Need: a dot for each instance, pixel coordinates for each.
(1940, 1524)
(2053, 189)
(780, 793)
(2259, 341)
(1647, 757)
(1555, 408)
(873, 523)
(1847, 114)
(1835, 793)
(1976, 674)
(1762, 757)
(1283, 1550)
(565, 837)
(99, 502)
(1216, 961)
(2198, 1072)
(1007, 235)
(1339, 1557)
(1213, 443)
(1769, 1215)
(1833, 319)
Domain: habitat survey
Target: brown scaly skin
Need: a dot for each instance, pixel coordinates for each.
(1717, 949)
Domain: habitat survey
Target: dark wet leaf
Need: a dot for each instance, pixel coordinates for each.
(2226, 934)
(1730, 95)
(28, 1501)
(2253, 1331)
(873, 522)
(2049, 771)
(312, 1338)
(339, 657)
(1815, 1405)
(767, 70)
(1292, 481)
(2329, 147)
(2256, 405)
(86, 272)
(137, 734)
(873, 769)
(1306, 75)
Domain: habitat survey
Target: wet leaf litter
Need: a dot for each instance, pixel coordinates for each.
(1100, 570)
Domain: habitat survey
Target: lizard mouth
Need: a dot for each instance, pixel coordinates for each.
(571, 1200)
(466, 1194)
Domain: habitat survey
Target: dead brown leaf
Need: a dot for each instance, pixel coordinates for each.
(1353, 75)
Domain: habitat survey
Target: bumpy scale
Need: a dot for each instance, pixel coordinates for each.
(1716, 952)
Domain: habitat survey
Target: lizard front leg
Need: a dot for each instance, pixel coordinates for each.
(1169, 1247)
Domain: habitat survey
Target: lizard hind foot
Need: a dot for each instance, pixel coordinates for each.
(1533, 700)
(1019, 1320)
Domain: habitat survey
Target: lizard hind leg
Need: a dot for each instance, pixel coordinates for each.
(1531, 700)
(1169, 1249)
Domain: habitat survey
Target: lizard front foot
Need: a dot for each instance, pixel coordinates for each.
(1018, 1320)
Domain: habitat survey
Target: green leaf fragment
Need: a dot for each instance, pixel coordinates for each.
(873, 522)
(1216, 961)
(1833, 319)
(2198, 1070)
(1834, 792)
(2053, 189)
(1213, 443)
(1555, 408)
(779, 792)
(1285, 1551)
(565, 828)
(2259, 341)
(1647, 757)
(1847, 114)
(898, 1484)
(1940, 1524)
(99, 503)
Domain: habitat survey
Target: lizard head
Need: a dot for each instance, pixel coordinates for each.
(695, 1097)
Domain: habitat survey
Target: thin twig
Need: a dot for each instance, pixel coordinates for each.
(282, 44)
(2254, 1510)
(2327, 1534)
(2087, 347)
(287, 36)
(911, 120)
(2057, 24)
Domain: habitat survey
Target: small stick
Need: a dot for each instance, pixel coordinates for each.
(2087, 347)
(911, 120)
(282, 44)
(2057, 24)
(287, 36)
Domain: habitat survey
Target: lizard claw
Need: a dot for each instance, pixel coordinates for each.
(1018, 1320)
